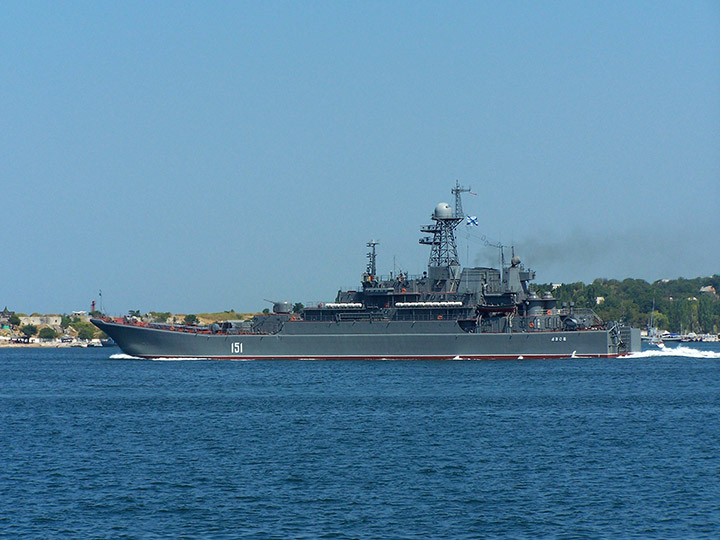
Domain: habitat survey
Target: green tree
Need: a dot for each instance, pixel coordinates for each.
(298, 307)
(680, 314)
(660, 321)
(29, 329)
(65, 322)
(160, 316)
(190, 319)
(708, 313)
(14, 320)
(134, 313)
(86, 332)
(84, 329)
(47, 333)
(679, 304)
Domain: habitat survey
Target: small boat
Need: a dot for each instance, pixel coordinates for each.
(653, 336)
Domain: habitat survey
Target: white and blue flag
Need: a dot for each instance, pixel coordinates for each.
(471, 220)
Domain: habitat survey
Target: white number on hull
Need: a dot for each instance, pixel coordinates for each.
(236, 348)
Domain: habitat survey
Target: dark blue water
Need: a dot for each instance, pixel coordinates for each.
(93, 447)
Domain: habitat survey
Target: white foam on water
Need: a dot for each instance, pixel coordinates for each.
(123, 356)
(682, 351)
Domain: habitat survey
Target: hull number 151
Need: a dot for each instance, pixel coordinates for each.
(236, 348)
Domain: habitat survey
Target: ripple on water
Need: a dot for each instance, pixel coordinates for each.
(99, 447)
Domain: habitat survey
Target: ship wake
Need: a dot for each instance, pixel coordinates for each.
(123, 356)
(683, 352)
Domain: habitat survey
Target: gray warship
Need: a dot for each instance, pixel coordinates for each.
(448, 312)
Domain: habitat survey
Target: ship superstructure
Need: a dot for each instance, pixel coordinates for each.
(480, 299)
(446, 312)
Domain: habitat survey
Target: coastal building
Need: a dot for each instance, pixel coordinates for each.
(709, 290)
(42, 320)
(80, 315)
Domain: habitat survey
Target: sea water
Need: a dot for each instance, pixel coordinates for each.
(96, 446)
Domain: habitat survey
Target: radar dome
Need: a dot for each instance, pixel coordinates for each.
(443, 211)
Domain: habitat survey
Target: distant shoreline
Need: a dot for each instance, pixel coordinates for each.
(7, 345)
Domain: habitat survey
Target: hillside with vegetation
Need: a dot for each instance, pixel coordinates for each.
(687, 305)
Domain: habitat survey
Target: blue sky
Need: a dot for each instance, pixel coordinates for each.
(201, 156)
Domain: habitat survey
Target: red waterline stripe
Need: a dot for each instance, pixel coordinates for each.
(365, 357)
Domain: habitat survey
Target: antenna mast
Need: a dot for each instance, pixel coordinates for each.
(443, 252)
(457, 190)
(371, 267)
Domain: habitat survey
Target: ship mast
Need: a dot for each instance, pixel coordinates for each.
(457, 190)
(371, 267)
(443, 251)
(444, 265)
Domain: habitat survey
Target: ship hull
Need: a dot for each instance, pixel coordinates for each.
(373, 340)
